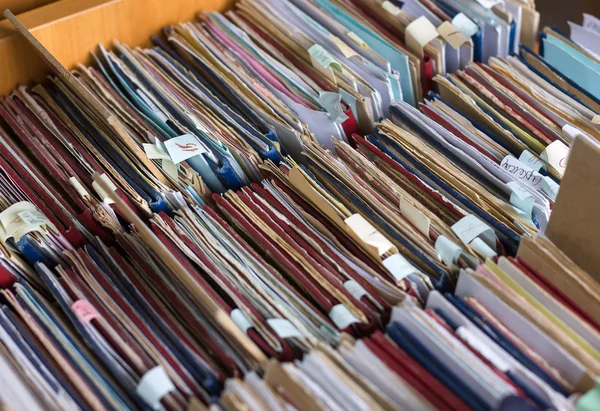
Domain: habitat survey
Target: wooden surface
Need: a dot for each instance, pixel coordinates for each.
(70, 29)
(21, 6)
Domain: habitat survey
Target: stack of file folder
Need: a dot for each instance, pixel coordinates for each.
(323, 204)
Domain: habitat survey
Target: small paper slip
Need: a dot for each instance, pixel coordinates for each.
(414, 216)
(448, 250)
(465, 25)
(532, 161)
(183, 147)
(488, 4)
(556, 155)
(418, 34)
(399, 267)
(452, 35)
(521, 198)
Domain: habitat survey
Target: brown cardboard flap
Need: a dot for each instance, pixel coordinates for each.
(575, 222)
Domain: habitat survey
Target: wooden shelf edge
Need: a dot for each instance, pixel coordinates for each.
(72, 37)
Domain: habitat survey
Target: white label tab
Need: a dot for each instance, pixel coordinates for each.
(418, 33)
(470, 227)
(556, 155)
(532, 161)
(465, 25)
(448, 250)
(183, 147)
(154, 385)
(522, 172)
(414, 216)
(355, 289)
(240, 319)
(342, 317)
(283, 328)
(399, 267)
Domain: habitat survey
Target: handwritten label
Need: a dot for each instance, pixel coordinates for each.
(522, 172)
(465, 25)
(183, 147)
(399, 267)
(452, 35)
(532, 161)
(342, 317)
(323, 58)
(448, 250)
(418, 33)
(414, 216)
(84, 311)
(22, 218)
(591, 23)
(283, 328)
(470, 228)
(556, 155)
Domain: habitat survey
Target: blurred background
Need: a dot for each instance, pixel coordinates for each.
(558, 12)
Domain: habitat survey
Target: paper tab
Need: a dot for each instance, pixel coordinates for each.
(352, 36)
(482, 248)
(355, 289)
(399, 267)
(22, 218)
(591, 23)
(414, 216)
(465, 25)
(531, 160)
(103, 194)
(79, 187)
(571, 132)
(183, 147)
(488, 4)
(332, 103)
(596, 119)
(522, 172)
(418, 34)
(84, 311)
(283, 328)
(342, 317)
(452, 35)
(391, 8)
(369, 234)
(556, 155)
(346, 50)
(323, 58)
(550, 188)
(521, 198)
(448, 250)
(240, 319)
(470, 227)
(153, 386)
